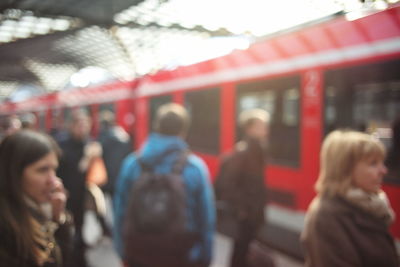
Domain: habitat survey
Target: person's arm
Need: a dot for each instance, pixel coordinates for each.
(207, 215)
(328, 244)
(121, 198)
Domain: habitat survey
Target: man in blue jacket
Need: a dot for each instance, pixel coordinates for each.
(172, 122)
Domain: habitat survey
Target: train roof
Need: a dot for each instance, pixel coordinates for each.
(331, 42)
(337, 41)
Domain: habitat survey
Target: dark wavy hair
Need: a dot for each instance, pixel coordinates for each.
(18, 151)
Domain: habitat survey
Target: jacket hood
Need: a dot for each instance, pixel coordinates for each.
(158, 144)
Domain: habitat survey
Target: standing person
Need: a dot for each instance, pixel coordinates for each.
(240, 182)
(116, 146)
(32, 201)
(9, 125)
(28, 121)
(77, 154)
(161, 152)
(347, 222)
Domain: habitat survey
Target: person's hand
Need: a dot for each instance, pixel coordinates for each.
(93, 149)
(58, 199)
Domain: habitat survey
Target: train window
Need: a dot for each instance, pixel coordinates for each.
(105, 107)
(264, 100)
(204, 109)
(155, 103)
(366, 98)
(330, 106)
(41, 115)
(281, 98)
(67, 116)
(68, 112)
(291, 107)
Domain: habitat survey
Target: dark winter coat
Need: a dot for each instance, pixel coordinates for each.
(58, 242)
(73, 179)
(339, 234)
(241, 181)
(116, 146)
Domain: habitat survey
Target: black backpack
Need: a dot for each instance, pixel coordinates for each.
(154, 228)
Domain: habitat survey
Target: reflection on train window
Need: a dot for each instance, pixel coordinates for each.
(366, 98)
(281, 98)
(264, 100)
(56, 120)
(68, 112)
(107, 106)
(330, 106)
(155, 103)
(204, 110)
(291, 107)
(67, 116)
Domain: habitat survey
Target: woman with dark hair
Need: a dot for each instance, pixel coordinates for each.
(32, 201)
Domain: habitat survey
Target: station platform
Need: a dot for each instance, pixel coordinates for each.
(103, 254)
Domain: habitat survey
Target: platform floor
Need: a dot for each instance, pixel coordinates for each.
(103, 255)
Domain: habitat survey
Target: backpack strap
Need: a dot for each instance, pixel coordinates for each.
(180, 163)
(149, 168)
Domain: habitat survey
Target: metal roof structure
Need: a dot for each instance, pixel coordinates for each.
(43, 43)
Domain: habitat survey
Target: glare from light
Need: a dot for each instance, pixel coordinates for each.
(41, 29)
(9, 23)
(78, 80)
(7, 28)
(22, 33)
(5, 37)
(89, 75)
(26, 24)
(61, 24)
(381, 5)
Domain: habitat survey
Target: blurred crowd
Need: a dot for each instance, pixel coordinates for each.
(165, 210)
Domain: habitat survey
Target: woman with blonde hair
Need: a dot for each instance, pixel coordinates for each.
(347, 222)
(32, 201)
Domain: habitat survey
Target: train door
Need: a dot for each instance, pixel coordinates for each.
(367, 98)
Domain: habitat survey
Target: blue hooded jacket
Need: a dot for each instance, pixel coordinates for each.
(200, 198)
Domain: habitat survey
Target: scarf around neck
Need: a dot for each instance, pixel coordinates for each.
(376, 204)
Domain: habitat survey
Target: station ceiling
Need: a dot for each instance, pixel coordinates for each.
(44, 42)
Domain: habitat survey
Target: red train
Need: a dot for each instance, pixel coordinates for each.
(339, 73)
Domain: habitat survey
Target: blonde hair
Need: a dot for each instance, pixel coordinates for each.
(340, 152)
(248, 117)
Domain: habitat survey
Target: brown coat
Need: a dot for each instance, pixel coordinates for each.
(339, 234)
(241, 181)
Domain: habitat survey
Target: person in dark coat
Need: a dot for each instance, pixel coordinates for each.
(116, 145)
(240, 183)
(34, 228)
(77, 153)
(347, 223)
